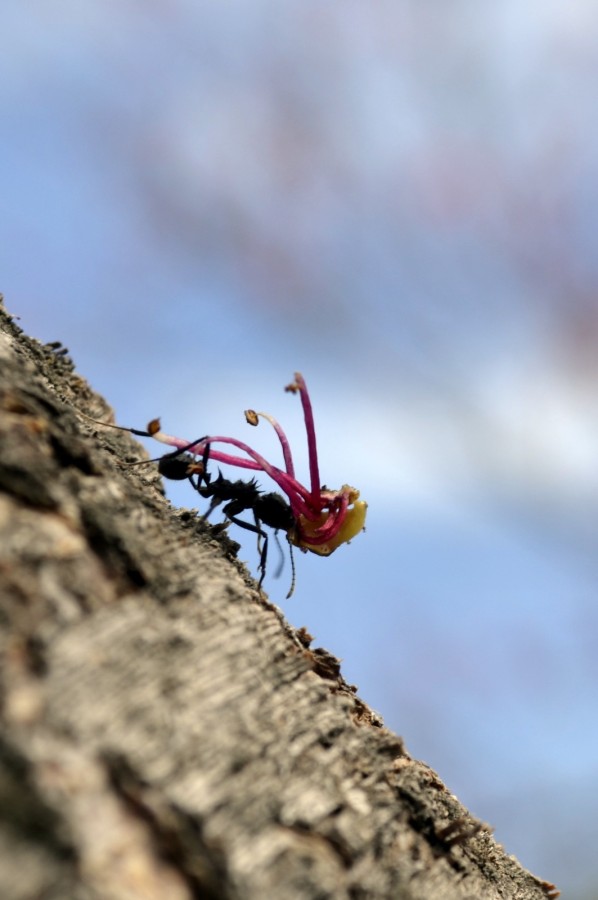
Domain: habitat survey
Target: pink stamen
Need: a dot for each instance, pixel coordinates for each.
(286, 482)
(332, 525)
(284, 442)
(314, 473)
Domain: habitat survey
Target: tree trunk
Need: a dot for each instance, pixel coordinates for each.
(165, 733)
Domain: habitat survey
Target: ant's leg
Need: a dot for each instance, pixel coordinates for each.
(216, 501)
(208, 490)
(256, 529)
(280, 566)
(262, 549)
(204, 463)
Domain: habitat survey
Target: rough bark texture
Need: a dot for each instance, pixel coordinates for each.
(165, 733)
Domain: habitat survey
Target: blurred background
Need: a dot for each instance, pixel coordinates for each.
(399, 200)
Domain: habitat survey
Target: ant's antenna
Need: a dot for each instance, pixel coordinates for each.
(292, 587)
(152, 428)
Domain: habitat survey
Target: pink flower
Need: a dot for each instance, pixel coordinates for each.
(324, 518)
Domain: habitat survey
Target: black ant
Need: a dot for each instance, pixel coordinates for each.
(315, 518)
(269, 509)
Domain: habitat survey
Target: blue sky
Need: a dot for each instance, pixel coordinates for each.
(400, 202)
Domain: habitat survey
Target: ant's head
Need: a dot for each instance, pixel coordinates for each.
(178, 467)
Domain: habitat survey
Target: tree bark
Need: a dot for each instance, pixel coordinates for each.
(165, 733)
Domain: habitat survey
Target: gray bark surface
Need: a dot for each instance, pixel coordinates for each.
(164, 732)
